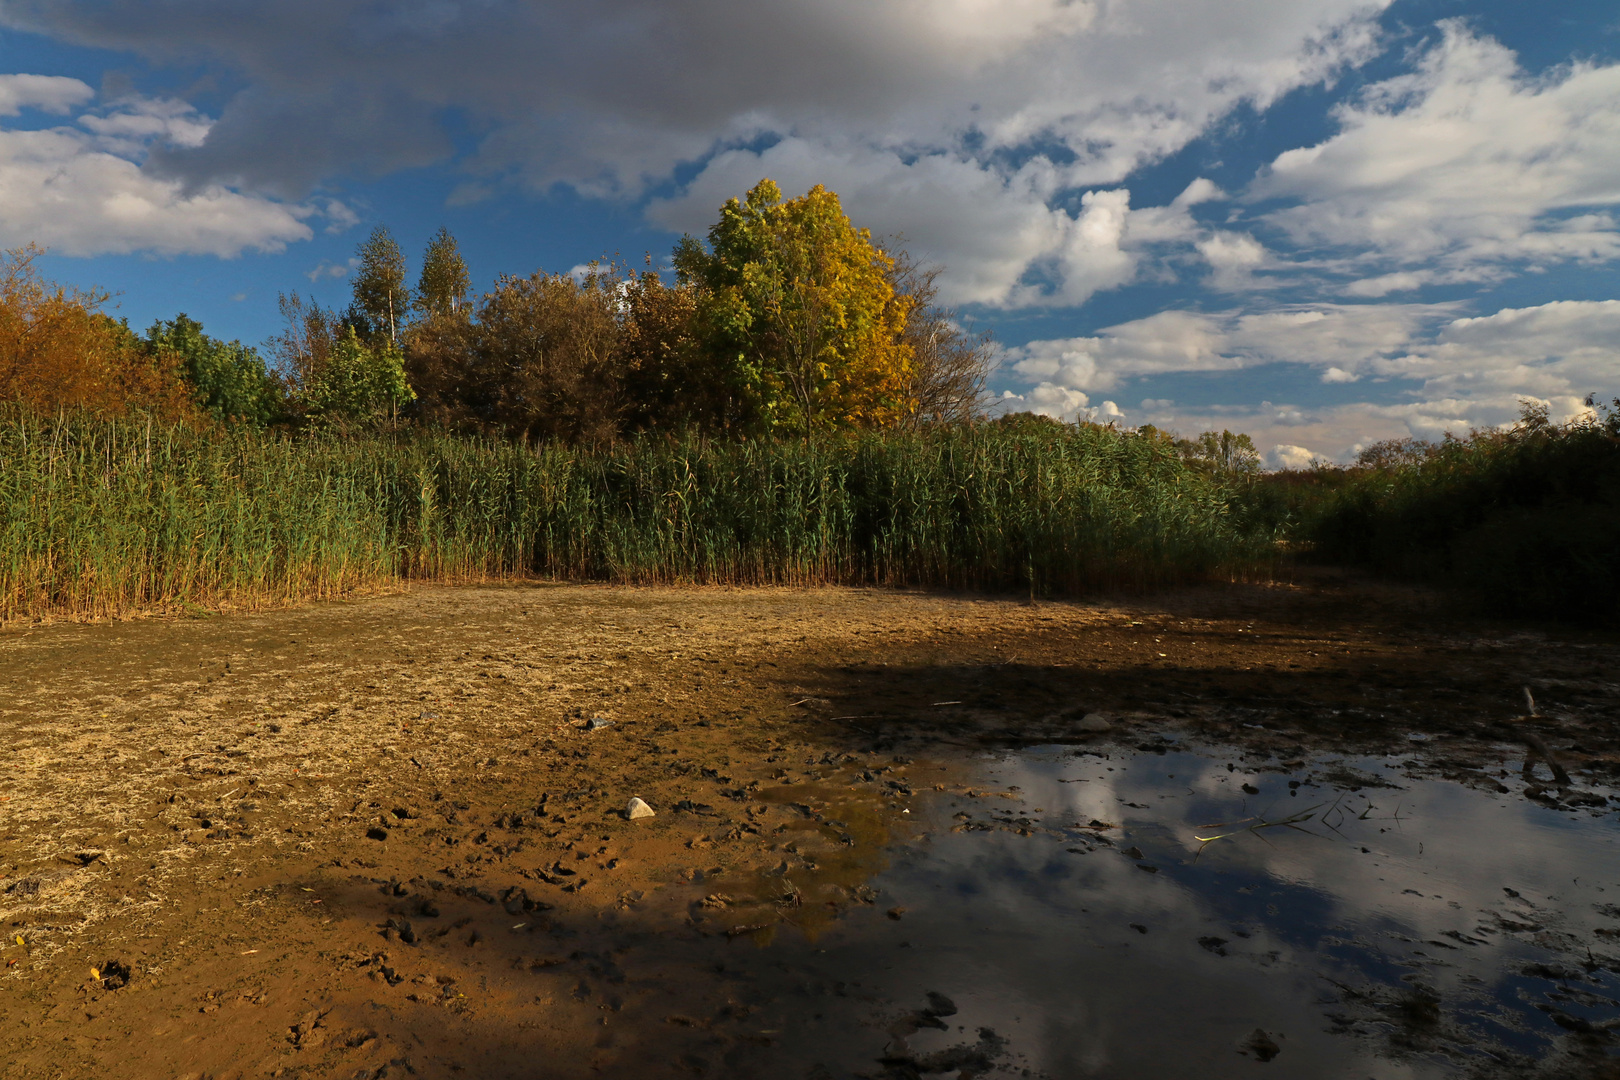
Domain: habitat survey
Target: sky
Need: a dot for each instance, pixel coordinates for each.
(1321, 222)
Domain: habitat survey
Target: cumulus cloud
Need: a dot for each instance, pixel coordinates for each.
(134, 124)
(1045, 399)
(1459, 169)
(1233, 257)
(1334, 337)
(1011, 123)
(1289, 456)
(1445, 373)
(1559, 351)
(1058, 402)
(47, 93)
(80, 189)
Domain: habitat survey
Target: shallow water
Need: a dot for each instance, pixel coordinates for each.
(1419, 929)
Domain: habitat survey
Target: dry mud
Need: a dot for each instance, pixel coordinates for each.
(384, 837)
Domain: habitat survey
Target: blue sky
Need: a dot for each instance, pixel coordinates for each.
(1324, 222)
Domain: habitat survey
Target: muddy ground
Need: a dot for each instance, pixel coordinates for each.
(388, 837)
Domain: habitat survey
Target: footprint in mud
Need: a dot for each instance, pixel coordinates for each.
(966, 1060)
(928, 1017)
(1261, 1045)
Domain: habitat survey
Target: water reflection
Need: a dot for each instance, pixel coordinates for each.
(1070, 920)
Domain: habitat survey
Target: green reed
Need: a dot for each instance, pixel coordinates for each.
(98, 517)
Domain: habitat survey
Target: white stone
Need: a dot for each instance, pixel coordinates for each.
(638, 809)
(1094, 723)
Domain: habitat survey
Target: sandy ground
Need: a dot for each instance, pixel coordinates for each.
(383, 837)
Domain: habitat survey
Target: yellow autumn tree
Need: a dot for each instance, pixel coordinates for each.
(58, 351)
(799, 306)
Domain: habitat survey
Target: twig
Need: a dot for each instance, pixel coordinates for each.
(1292, 821)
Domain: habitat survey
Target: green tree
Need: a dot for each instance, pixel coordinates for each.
(1223, 452)
(381, 296)
(445, 283)
(359, 385)
(798, 302)
(228, 380)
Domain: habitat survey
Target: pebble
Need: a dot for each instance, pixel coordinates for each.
(1094, 723)
(637, 809)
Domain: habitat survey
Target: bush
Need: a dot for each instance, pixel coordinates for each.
(1527, 520)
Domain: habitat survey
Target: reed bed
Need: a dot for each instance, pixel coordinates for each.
(105, 517)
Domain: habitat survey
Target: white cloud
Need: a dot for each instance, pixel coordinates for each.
(1289, 456)
(133, 124)
(1045, 399)
(1459, 167)
(1560, 351)
(324, 269)
(81, 190)
(339, 218)
(1446, 374)
(1233, 257)
(48, 93)
(1338, 337)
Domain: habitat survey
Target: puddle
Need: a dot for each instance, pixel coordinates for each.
(1348, 921)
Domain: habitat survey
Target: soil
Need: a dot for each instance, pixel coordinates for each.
(390, 836)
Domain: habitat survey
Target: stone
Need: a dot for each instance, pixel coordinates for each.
(1094, 724)
(637, 809)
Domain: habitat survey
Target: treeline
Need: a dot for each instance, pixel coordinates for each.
(789, 321)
